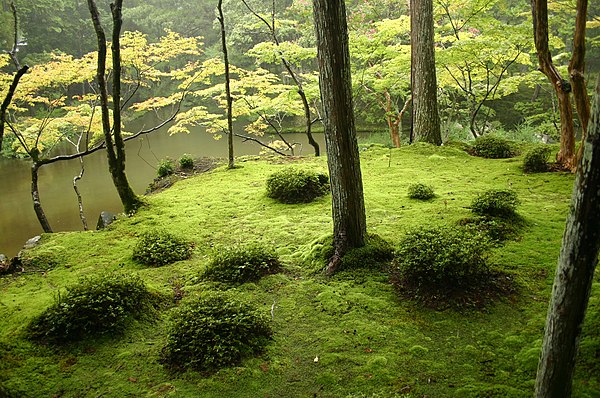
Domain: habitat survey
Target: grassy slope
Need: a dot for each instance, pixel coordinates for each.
(368, 343)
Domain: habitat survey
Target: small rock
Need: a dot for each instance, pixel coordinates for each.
(106, 218)
(31, 243)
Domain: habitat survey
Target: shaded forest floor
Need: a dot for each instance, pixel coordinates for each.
(349, 335)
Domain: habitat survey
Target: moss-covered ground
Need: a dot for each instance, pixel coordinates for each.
(343, 336)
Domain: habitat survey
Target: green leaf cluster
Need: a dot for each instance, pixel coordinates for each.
(536, 159)
(492, 147)
(214, 331)
(157, 248)
(296, 185)
(420, 191)
(496, 203)
(242, 263)
(93, 306)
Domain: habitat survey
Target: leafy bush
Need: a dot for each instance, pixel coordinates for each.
(240, 264)
(420, 191)
(157, 248)
(93, 306)
(536, 160)
(165, 167)
(495, 203)
(437, 259)
(491, 147)
(497, 229)
(186, 161)
(294, 185)
(214, 331)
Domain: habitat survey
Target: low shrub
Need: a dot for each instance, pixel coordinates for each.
(186, 162)
(214, 331)
(491, 147)
(375, 254)
(435, 259)
(420, 191)
(165, 167)
(243, 263)
(93, 306)
(294, 185)
(157, 248)
(496, 203)
(496, 229)
(536, 159)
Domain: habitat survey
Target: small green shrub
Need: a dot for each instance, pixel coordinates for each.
(240, 264)
(186, 162)
(165, 167)
(491, 147)
(496, 203)
(420, 191)
(536, 159)
(497, 229)
(157, 248)
(436, 259)
(94, 306)
(294, 185)
(215, 331)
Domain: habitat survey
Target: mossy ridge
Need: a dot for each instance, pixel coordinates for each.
(399, 349)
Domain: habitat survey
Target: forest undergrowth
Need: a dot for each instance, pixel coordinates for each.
(348, 335)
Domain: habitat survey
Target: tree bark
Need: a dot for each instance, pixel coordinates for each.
(8, 99)
(566, 154)
(115, 145)
(574, 273)
(577, 71)
(426, 118)
(348, 209)
(35, 195)
(221, 18)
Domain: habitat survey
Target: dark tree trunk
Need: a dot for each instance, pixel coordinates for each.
(8, 99)
(231, 164)
(35, 195)
(426, 118)
(115, 146)
(574, 273)
(348, 209)
(566, 154)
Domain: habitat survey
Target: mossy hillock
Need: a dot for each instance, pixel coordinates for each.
(344, 336)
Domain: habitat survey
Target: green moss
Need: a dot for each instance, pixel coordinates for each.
(354, 323)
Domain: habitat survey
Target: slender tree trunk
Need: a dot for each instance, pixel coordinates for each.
(566, 154)
(231, 164)
(574, 273)
(35, 195)
(8, 99)
(115, 146)
(79, 199)
(348, 209)
(426, 118)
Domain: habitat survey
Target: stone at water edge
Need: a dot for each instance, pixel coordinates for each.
(33, 242)
(105, 219)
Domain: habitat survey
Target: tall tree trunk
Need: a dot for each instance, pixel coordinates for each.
(574, 273)
(78, 194)
(221, 18)
(35, 195)
(8, 99)
(426, 118)
(115, 145)
(566, 154)
(348, 209)
(577, 71)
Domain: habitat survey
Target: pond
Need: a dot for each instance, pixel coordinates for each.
(17, 218)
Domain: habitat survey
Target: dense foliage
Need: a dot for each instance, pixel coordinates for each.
(242, 263)
(186, 161)
(214, 331)
(165, 167)
(492, 147)
(496, 203)
(536, 159)
(93, 306)
(157, 248)
(434, 260)
(420, 191)
(296, 185)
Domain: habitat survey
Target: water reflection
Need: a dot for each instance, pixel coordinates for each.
(17, 218)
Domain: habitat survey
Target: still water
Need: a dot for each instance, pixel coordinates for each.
(17, 218)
